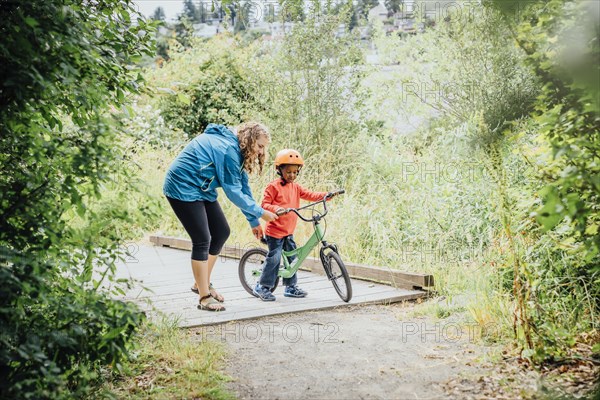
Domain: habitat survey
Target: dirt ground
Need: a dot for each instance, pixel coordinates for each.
(382, 352)
(362, 352)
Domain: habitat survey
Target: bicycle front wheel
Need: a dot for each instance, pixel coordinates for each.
(250, 268)
(338, 275)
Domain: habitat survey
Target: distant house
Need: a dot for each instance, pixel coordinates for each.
(433, 11)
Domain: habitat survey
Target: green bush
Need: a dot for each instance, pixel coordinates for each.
(216, 90)
(64, 64)
(561, 41)
(59, 334)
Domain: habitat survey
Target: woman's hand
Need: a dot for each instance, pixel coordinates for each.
(269, 216)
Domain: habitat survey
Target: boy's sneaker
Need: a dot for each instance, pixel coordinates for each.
(263, 293)
(294, 291)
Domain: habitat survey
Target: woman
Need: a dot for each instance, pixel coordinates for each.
(217, 158)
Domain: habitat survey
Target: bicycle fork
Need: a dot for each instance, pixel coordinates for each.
(325, 260)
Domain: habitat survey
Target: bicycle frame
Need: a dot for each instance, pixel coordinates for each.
(301, 253)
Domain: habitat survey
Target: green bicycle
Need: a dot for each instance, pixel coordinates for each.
(251, 263)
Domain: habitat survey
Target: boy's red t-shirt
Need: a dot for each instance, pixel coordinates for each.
(288, 196)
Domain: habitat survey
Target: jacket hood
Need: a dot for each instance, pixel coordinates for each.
(221, 130)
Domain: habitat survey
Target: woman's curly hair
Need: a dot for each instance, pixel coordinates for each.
(248, 133)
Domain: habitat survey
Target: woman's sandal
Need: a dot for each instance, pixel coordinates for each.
(216, 295)
(211, 302)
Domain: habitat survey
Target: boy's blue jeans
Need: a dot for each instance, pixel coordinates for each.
(271, 267)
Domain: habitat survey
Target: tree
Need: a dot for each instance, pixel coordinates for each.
(202, 12)
(311, 88)
(232, 12)
(364, 6)
(189, 10)
(292, 10)
(64, 65)
(269, 15)
(184, 30)
(348, 9)
(159, 14)
(219, 92)
(393, 6)
(244, 15)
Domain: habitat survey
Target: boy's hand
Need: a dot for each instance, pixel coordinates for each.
(257, 231)
(333, 194)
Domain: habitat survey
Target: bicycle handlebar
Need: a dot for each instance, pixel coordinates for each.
(317, 217)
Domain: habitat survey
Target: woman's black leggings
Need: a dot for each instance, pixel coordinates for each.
(205, 222)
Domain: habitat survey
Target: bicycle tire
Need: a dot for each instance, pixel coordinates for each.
(336, 269)
(250, 269)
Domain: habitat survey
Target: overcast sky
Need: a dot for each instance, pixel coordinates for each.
(171, 7)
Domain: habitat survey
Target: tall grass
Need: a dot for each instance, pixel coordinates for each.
(170, 364)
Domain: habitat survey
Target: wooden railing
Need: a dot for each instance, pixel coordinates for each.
(389, 276)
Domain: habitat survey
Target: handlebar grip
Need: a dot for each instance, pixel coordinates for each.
(335, 193)
(282, 212)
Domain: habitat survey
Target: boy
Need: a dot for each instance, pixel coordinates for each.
(280, 194)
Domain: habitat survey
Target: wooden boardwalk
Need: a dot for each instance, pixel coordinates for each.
(163, 279)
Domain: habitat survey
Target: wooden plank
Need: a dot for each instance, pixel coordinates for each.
(168, 276)
(383, 275)
(248, 308)
(192, 317)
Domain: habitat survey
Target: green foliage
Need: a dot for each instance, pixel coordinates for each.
(560, 39)
(482, 70)
(467, 69)
(59, 333)
(364, 6)
(171, 363)
(568, 114)
(184, 31)
(243, 14)
(64, 64)
(309, 92)
(292, 10)
(189, 10)
(215, 89)
(393, 6)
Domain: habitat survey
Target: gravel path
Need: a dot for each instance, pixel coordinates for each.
(362, 352)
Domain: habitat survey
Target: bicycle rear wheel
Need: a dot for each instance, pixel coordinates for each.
(338, 275)
(250, 269)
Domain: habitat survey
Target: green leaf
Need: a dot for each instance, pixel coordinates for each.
(591, 229)
(31, 22)
(113, 333)
(549, 214)
(184, 98)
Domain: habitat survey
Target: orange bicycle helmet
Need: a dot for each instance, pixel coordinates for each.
(288, 156)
